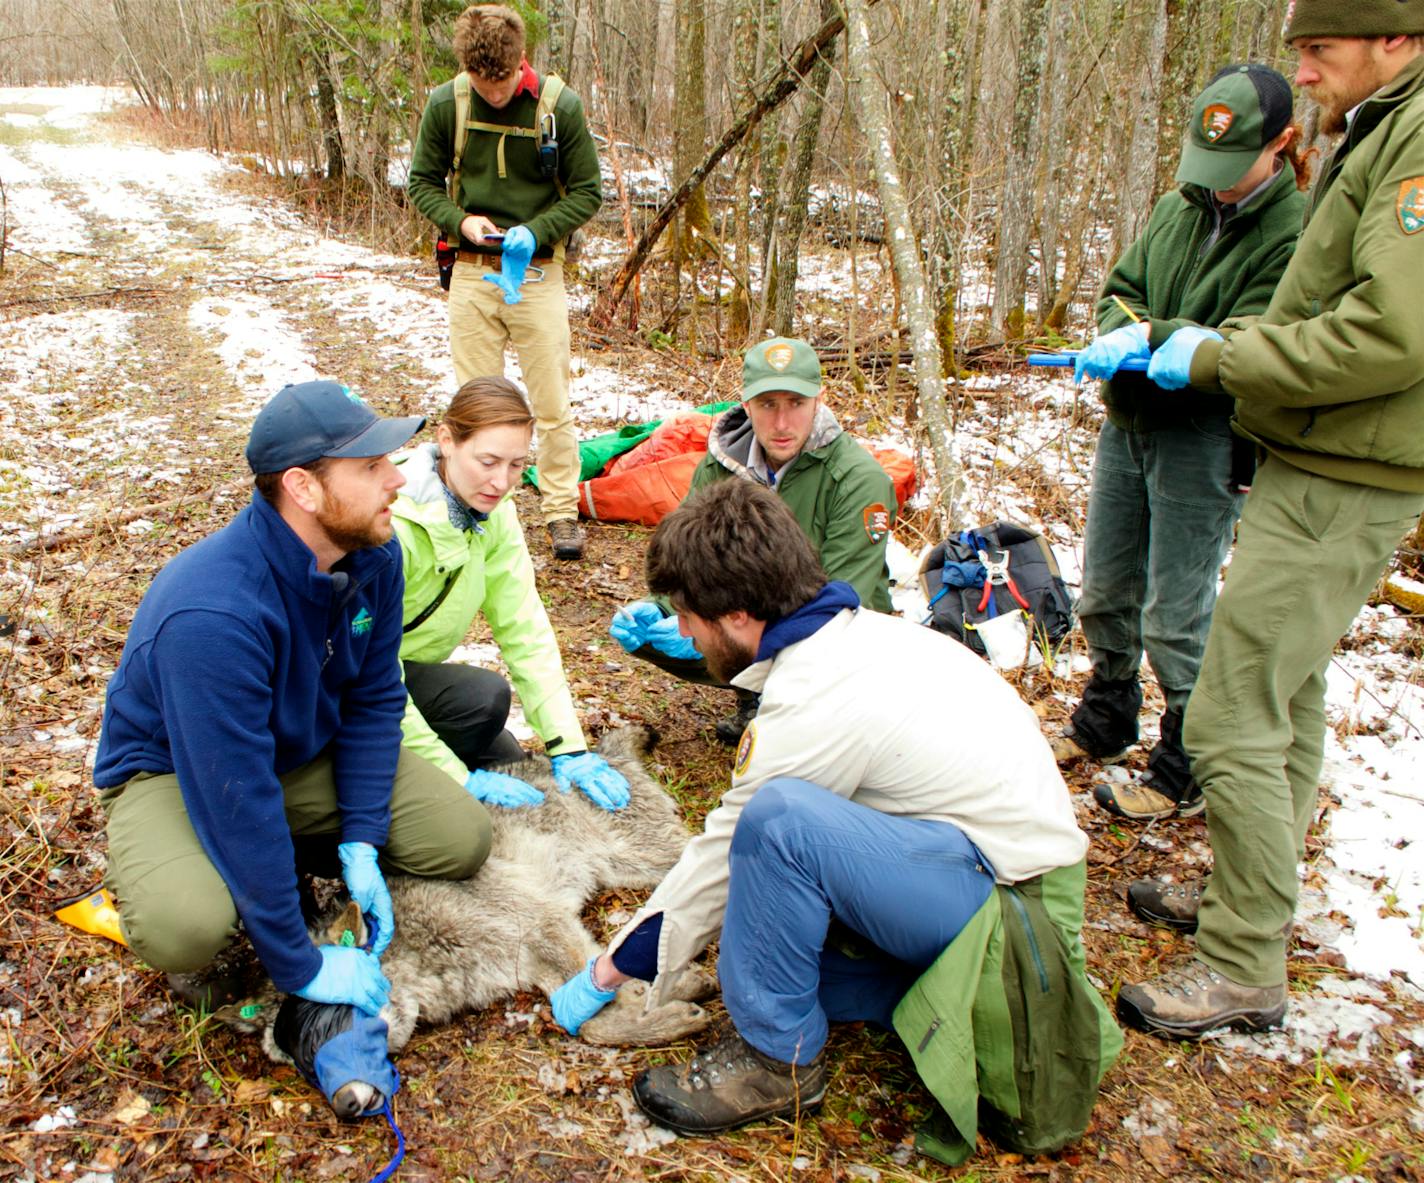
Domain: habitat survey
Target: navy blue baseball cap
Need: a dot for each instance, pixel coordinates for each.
(311, 420)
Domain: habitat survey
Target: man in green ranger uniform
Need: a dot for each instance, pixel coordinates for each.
(1330, 383)
(783, 437)
(524, 178)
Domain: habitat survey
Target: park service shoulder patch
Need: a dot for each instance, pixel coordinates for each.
(877, 521)
(1216, 121)
(745, 747)
(1411, 205)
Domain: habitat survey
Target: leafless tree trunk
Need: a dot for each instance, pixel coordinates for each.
(1016, 205)
(772, 93)
(784, 264)
(1140, 173)
(869, 100)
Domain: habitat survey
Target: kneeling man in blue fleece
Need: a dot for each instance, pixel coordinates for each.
(255, 720)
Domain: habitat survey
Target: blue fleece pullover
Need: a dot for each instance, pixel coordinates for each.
(244, 662)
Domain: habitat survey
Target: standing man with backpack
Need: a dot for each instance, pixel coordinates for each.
(504, 165)
(1329, 382)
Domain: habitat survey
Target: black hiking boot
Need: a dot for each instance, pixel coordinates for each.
(729, 730)
(232, 975)
(727, 1085)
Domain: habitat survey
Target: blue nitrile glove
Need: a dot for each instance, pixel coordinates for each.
(499, 789)
(643, 623)
(601, 783)
(1103, 357)
(631, 623)
(368, 888)
(1171, 364)
(579, 999)
(350, 976)
(666, 638)
(514, 262)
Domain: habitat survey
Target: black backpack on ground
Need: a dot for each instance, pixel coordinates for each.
(952, 577)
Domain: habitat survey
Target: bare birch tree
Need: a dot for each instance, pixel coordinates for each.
(869, 99)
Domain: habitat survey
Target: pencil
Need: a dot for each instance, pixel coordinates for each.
(1118, 300)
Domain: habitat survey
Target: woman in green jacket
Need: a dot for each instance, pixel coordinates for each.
(464, 553)
(1168, 481)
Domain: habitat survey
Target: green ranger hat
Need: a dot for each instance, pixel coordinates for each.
(1352, 18)
(781, 363)
(1242, 109)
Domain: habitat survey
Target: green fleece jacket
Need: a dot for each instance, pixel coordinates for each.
(493, 575)
(839, 493)
(1331, 377)
(521, 196)
(1172, 276)
(1007, 1016)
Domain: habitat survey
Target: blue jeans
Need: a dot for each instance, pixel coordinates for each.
(1160, 517)
(802, 856)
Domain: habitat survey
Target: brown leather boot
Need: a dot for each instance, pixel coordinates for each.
(727, 1085)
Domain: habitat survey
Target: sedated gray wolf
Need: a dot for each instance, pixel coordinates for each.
(516, 924)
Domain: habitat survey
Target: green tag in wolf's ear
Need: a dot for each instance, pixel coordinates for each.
(348, 938)
(251, 1010)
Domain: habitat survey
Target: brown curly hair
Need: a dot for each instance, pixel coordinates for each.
(489, 41)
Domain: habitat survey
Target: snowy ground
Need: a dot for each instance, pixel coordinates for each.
(83, 430)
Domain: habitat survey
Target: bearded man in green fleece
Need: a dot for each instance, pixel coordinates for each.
(1329, 382)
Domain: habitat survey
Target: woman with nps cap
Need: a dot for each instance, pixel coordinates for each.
(1168, 480)
(464, 554)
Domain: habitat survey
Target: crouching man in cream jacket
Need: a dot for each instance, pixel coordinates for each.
(889, 781)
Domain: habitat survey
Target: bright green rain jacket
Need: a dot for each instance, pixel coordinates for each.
(1006, 1030)
(1331, 377)
(493, 575)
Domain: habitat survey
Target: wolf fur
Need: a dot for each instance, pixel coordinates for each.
(461, 945)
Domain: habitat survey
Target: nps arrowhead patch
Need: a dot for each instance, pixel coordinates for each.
(1411, 205)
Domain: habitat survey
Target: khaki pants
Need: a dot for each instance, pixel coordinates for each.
(1309, 551)
(538, 328)
(174, 908)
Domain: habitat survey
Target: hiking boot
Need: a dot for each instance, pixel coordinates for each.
(729, 730)
(1067, 750)
(233, 975)
(727, 1085)
(566, 538)
(1144, 799)
(1193, 999)
(1167, 905)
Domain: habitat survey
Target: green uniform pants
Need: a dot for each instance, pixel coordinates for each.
(174, 908)
(1309, 551)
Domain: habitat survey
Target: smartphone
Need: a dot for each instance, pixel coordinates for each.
(497, 237)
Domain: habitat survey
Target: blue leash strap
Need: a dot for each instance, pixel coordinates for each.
(391, 1167)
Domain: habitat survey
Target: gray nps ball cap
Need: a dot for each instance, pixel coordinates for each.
(309, 421)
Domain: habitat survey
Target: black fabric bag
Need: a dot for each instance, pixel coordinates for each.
(952, 578)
